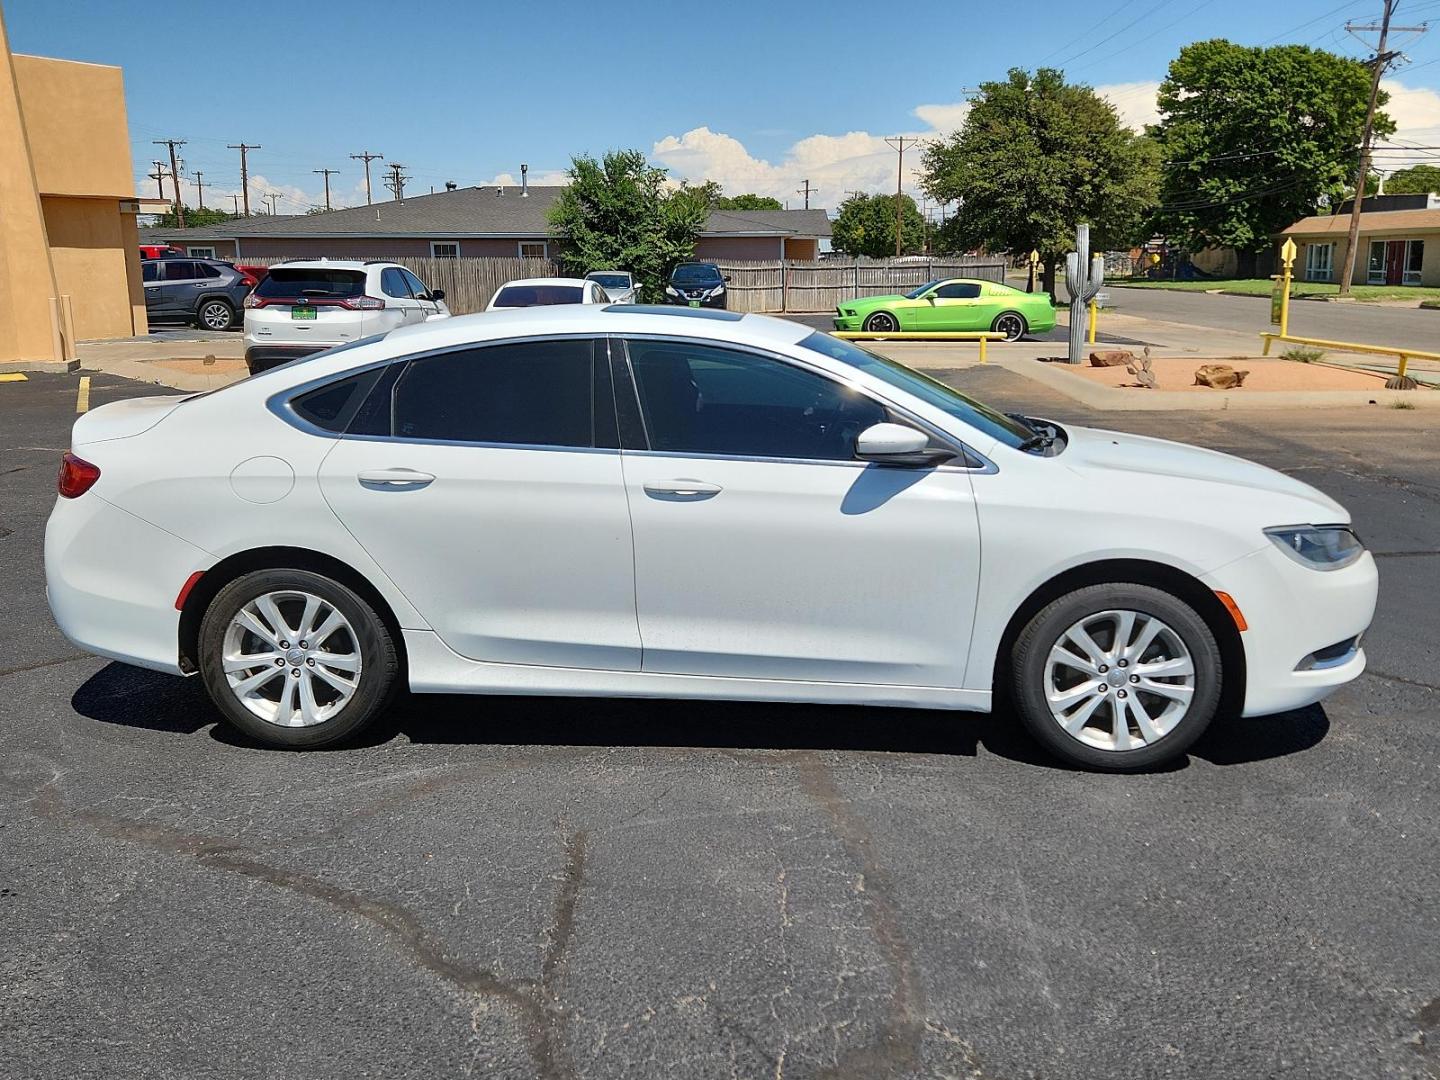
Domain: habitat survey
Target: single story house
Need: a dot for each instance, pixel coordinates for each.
(503, 222)
(1397, 246)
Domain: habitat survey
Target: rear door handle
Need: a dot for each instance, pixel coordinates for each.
(681, 489)
(406, 478)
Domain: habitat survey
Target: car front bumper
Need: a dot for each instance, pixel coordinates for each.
(706, 302)
(849, 322)
(1294, 613)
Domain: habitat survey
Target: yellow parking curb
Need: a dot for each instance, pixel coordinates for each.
(14, 376)
(82, 399)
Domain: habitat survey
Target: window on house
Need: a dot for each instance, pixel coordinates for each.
(1319, 262)
(1375, 269)
(201, 252)
(444, 249)
(1414, 258)
(534, 249)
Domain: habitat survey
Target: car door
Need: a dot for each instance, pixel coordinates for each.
(956, 305)
(764, 549)
(426, 303)
(153, 282)
(491, 493)
(398, 295)
(178, 287)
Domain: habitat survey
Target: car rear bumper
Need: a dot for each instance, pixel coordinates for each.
(264, 357)
(1304, 626)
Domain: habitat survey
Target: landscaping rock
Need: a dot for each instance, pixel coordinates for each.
(1219, 376)
(1112, 358)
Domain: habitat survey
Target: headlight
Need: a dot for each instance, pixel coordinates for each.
(669, 291)
(717, 290)
(1320, 547)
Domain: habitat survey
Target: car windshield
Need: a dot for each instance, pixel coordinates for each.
(915, 294)
(695, 274)
(931, 391)
(285, 281)
(611, 281)
(539, 295)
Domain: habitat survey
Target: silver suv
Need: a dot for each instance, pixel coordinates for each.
(304, 306)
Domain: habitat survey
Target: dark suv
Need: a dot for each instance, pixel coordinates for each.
(209, 293)
(696, 284)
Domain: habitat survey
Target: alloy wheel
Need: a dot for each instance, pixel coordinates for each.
(1012, 326)
(291, 658)
(216, 316)
(882, 323)
(1119, 680)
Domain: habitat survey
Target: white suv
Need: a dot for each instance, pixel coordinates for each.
(304, 306)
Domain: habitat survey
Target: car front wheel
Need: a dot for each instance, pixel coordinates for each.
(882, 322)
(216, 315)
(295, 659)
(1116, 677)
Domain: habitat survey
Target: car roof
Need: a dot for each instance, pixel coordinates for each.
(544, 281)
(595, 273)
(331, 264)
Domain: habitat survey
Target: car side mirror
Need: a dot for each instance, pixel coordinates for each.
(897, 444)
(437, 294)
(726, 277)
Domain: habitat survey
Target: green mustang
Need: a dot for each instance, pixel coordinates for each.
(949, 305)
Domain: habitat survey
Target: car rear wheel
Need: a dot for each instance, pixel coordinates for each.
(295, 659)
(216, 315)
(1011, 324)
(1116, 677)
(882, 322)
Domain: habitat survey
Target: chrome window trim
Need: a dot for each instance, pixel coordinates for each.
(986, 467)
(279, 403)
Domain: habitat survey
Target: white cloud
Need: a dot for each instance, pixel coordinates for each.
(944, 118)
(1134, 101)
(549, 178)
(1416, 112)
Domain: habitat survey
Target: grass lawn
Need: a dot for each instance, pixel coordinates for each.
(1261, 287)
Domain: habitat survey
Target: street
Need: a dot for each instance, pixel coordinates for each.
(509, 887)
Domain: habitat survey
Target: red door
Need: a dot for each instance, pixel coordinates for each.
(1395, 262)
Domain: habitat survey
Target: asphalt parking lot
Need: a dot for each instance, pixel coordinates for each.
(564, 888)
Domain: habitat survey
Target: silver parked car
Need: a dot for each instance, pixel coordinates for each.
(619, 285)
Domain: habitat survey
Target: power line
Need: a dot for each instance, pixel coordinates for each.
(327, 173)
(175, 175)
(1138, 19)
(159, 177)
(806, 190)
(200, 187)
(898, 143)
(244, 148)
(396, 183)
(272, 196)
(367, 157)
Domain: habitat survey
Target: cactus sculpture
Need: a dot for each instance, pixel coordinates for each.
(1083, 277)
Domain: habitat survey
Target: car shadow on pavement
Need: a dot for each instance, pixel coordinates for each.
(133, 697)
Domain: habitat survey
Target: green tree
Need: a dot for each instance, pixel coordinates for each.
(194, 219)
(1254, 137)
(747, 202)
(619, 214)
(1035, 157)
(865, 225)
(1416, 180)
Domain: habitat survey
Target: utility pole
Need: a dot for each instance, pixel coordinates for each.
(396, 183)
(272, 196)
(806, 190)
(327, 173)
(199, 187)
(175, 175)
(235, 202)
(367, 157)
(244, 172)
(159, 176)
(899, 143)
(1379, 63)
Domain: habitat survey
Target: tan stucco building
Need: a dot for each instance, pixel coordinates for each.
(1397, 247)
(69, 250)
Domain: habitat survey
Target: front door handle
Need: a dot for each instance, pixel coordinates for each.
(681, 489)
(396, 478)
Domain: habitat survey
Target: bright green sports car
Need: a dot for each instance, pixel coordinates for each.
(949, 305)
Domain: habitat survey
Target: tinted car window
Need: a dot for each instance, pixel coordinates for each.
(612, 281)
(392, 283)
(981, 417)
(695, 274)
(958, 291)
(710, 400)
(179, 270)
(417, 286)
(150, 271)
(532, 393)
(538, 295)
(317, 282)
(332, 406)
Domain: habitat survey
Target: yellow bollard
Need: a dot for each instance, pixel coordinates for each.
(1404, 360)
(1094, 315)
(985, 341)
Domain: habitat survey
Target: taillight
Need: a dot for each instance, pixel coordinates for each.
(77, 476)
(362, 303)
(249, 280)
(254, 301)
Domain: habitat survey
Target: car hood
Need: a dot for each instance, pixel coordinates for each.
(122, 419)
(873, 301)
(1098, 452)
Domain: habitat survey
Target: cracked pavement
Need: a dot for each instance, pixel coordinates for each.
(562, 888)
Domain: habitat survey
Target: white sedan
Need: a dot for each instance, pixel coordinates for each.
(662, 502)
(547, 292)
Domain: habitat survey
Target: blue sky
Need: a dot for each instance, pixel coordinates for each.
(755, 95)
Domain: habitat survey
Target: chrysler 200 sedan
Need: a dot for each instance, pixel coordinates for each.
(662, 502)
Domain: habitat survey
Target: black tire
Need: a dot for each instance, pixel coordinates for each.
(215, 315)
(1012, 324)
(1028, 677)
(378, 678)
(881, 322)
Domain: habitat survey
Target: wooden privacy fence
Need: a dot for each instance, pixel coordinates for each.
(468, 282)
(772, 285)
(793, 285)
